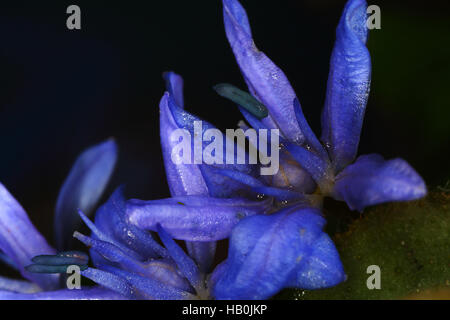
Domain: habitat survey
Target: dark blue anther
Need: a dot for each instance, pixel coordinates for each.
(242, 98)
(58, 263)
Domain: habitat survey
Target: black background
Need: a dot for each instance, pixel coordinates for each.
(62, 91)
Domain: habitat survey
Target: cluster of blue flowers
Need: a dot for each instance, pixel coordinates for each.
(274, 225)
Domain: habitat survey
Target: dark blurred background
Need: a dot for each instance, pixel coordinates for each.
(62, 91)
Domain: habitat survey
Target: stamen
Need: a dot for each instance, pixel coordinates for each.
(41, 268)
(62, 258)
(242, 98)
(58, 263)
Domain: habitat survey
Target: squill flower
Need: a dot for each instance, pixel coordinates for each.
(128, 260)
(260, 263)
(285, 245)
(262, 258)
(330, 162)
(204, 208)
(304, 253)
(20, 241)
(273, 244)
(128, 263)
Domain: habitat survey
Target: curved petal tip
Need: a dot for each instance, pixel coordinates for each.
(323, 269)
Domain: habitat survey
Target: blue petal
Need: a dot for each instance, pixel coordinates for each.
(95, 293)
(83, 188)
(217, 274)
(146, 288)
(266, 253)
(7, 261)
(160, 270)
(18, 286)
(110, 218)
(292, 176)
(220, 186)
(106, 249)
(260, 188)
(110, 281)
(98, 234)
(167, 273)
(323, 268)
(20, 240)
(183, 179)
(310, 162)
(174, 85)
(372, 180)
(193, 218)
(312, 143)
(203, 254)
(265, 80)
(186, 265)
(348, 86)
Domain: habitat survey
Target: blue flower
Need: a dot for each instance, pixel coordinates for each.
(287, 248)
(273, 245)
(274, 225)
(270, 252)
(330, 161)
(131, 263)
(204, 208)
(20, 241)
(270, 248)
